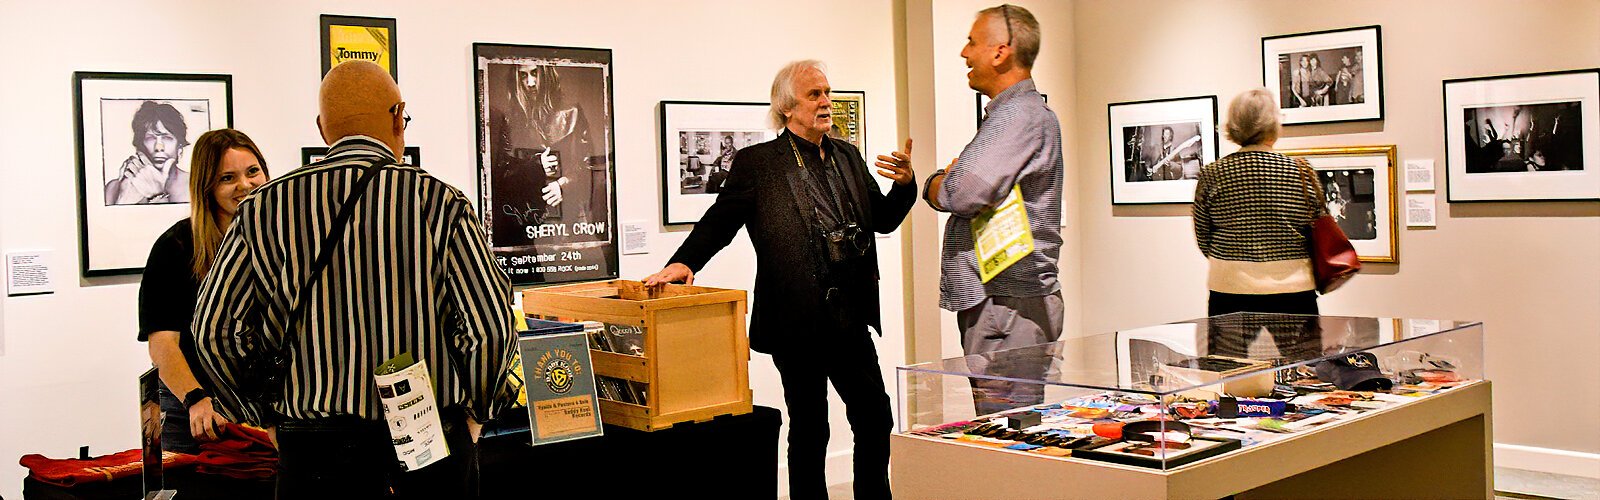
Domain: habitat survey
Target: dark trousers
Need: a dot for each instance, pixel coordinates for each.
(1279, 303)
(851, 363)
(351, 457)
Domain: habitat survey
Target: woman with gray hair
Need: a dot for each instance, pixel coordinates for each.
(1253, 211)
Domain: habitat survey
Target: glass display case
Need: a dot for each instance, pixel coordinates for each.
(1166, 396)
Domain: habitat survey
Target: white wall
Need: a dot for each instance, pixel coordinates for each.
(68, 370)
(1528, 270)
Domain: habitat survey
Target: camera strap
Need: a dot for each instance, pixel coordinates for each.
(820, 185)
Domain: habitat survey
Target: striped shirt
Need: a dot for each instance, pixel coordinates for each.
(1019, 144)
(1252, 219)
(413, 273)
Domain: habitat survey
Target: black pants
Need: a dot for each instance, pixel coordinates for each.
(1280, 303)
(851, 363)
(351, 457)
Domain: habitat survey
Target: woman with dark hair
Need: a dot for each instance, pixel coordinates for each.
(151, 175)
(226, 167)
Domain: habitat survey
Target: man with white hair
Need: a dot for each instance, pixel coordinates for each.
(1017, 149)
(811, 208)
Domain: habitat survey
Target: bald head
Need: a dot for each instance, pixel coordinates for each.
(355, 99)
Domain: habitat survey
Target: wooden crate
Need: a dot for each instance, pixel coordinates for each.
(697, 356)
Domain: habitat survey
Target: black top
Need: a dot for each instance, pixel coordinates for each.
(761, 196)
(167, 292)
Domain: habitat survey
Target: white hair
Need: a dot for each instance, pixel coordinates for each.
(783, 95)
(1253, 117)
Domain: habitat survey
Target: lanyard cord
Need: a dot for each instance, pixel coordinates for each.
(801, 162)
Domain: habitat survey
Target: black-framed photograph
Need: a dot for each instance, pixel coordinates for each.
(1358, 187)
(547, 183)
(1158, 147)
(1325, 76)
(983, 105)
(698, 141)
(357, 38)
(850, 117)
(133, 136)
(1527, 137)
(309, 155)
(1158, 455)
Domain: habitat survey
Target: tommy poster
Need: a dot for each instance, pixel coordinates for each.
(545, 176)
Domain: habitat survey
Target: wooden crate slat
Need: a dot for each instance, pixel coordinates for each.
(621, 366)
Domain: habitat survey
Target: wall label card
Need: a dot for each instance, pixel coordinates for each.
(1420, 210)
(27, 273)
(1419, 175)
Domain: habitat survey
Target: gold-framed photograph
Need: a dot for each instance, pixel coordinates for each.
(1358, 186)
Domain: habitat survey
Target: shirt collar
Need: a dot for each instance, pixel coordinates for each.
(1016, 89)
(805, 145)
(360, 145)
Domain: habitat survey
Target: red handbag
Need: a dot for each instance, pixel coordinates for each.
(1333, 258)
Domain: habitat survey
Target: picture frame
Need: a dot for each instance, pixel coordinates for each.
(1360, 190)
(361, 38)
(1544, 126)
(121, 211)
(1325, 76)
(309, 155)
(1158, 146)
(850, 117)
(546, 147)
(1118, 452)
(698, 141)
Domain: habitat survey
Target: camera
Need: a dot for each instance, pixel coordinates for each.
(847, 242)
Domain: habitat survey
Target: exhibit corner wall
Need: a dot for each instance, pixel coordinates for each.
(70, 362)
(1528, 270)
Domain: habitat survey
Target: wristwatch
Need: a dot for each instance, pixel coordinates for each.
(194, 396)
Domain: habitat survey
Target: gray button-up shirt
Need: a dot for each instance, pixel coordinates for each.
(1018, 144)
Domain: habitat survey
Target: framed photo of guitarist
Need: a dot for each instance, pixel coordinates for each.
(1158, 147)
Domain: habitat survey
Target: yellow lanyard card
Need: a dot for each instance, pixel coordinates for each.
(1001, 236)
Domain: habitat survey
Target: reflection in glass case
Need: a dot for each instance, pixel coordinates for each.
(1169, 395)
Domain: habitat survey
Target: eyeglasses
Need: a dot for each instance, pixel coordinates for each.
(1005, 9)
(395, 109)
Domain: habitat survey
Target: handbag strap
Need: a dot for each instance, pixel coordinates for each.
(1313, 188)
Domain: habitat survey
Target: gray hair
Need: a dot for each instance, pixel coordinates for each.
(1024, 31)
(1253, 117)
(783, 95)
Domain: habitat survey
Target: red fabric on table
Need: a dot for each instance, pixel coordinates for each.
(239, 452)
(68, 472)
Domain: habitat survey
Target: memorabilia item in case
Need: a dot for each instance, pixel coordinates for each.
(850, 118)
(134, 132)
(309, 155)
(545, 142)
(1170, 395)
(692, 357)
(1358, 187)
(355, 38)
(1325, 76)
(1530, 137)
(1158, 147)
(560, 382)
(698, 141)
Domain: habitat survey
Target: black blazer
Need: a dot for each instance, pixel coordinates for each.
(760, 195)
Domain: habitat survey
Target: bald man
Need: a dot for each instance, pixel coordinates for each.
(336, 268)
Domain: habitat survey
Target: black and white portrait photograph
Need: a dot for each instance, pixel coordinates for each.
(1330, 77)
(698, 142)
(705, 158)
(1359, 192)
(1348, 194)
(1546, 137)
(1526, 137)
(544, 161)
(134, 134)
(1157, 148)
(1325, 76)
(1162, 152)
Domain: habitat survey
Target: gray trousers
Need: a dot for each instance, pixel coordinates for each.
(1000, 323)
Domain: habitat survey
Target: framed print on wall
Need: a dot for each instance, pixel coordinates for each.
(1358, 187)
(850, 117)
(309, 155)
(698, 141)
(1529, 137)
(546, 182)
(133, 136)
(1325, 76)
(1158, 147)
(355, 38)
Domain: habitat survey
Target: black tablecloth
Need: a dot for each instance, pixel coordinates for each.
(728, 457)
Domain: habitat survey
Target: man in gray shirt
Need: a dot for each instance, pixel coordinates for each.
(1019, 144)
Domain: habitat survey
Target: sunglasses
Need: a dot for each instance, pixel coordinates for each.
(1005, 10)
